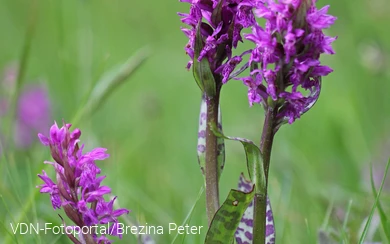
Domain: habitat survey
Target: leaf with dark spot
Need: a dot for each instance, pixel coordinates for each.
(228, 216)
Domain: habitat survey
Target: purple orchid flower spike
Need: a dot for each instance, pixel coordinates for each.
(285, 61)
(244, 233)
(77, 187)
(214, 31)
(285, 73)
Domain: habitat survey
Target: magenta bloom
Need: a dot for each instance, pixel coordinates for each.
(287, 55)
(284, 64)
(33, 114)
(33, 111)
(77, 187)
(220, 24)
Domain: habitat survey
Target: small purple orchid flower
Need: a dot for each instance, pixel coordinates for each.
(77, 187)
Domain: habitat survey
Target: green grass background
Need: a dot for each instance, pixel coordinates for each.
(149, 124)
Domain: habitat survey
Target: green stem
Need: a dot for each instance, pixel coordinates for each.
(259, 217)
(260, 206)
(211, 167)
(267, 139)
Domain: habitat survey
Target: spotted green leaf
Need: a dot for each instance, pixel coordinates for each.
(202, 139)
(255, 167)
(228, 216)
(244, 233)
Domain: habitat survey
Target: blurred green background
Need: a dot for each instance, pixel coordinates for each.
(149, 124)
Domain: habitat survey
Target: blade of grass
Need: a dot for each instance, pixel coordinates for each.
(109, 82)
(59, 6)
(189, 215)
(307, 228)
(365, 230)
(33, 207)
(140, 238)
(15, 187)
(85, 44)
(23, 212)
(382, 215)
(7, 231)
(56, 240)
(3, 161)
(327, 216)
(345, 222)
(12, 219)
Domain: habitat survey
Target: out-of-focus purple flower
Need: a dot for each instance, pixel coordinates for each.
(287, 52)
(78, 187)
(33, 111)
(219, 24)
(33, 114)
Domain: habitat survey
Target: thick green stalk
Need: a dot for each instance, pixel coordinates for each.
(267, 139)
(211, 169)
(260, 206)
(259, 217)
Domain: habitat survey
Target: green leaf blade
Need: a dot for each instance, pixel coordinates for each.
(202, 72)
(254, 160)
(365, 230)
(382, 215)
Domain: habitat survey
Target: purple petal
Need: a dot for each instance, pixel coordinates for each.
(44, 140)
